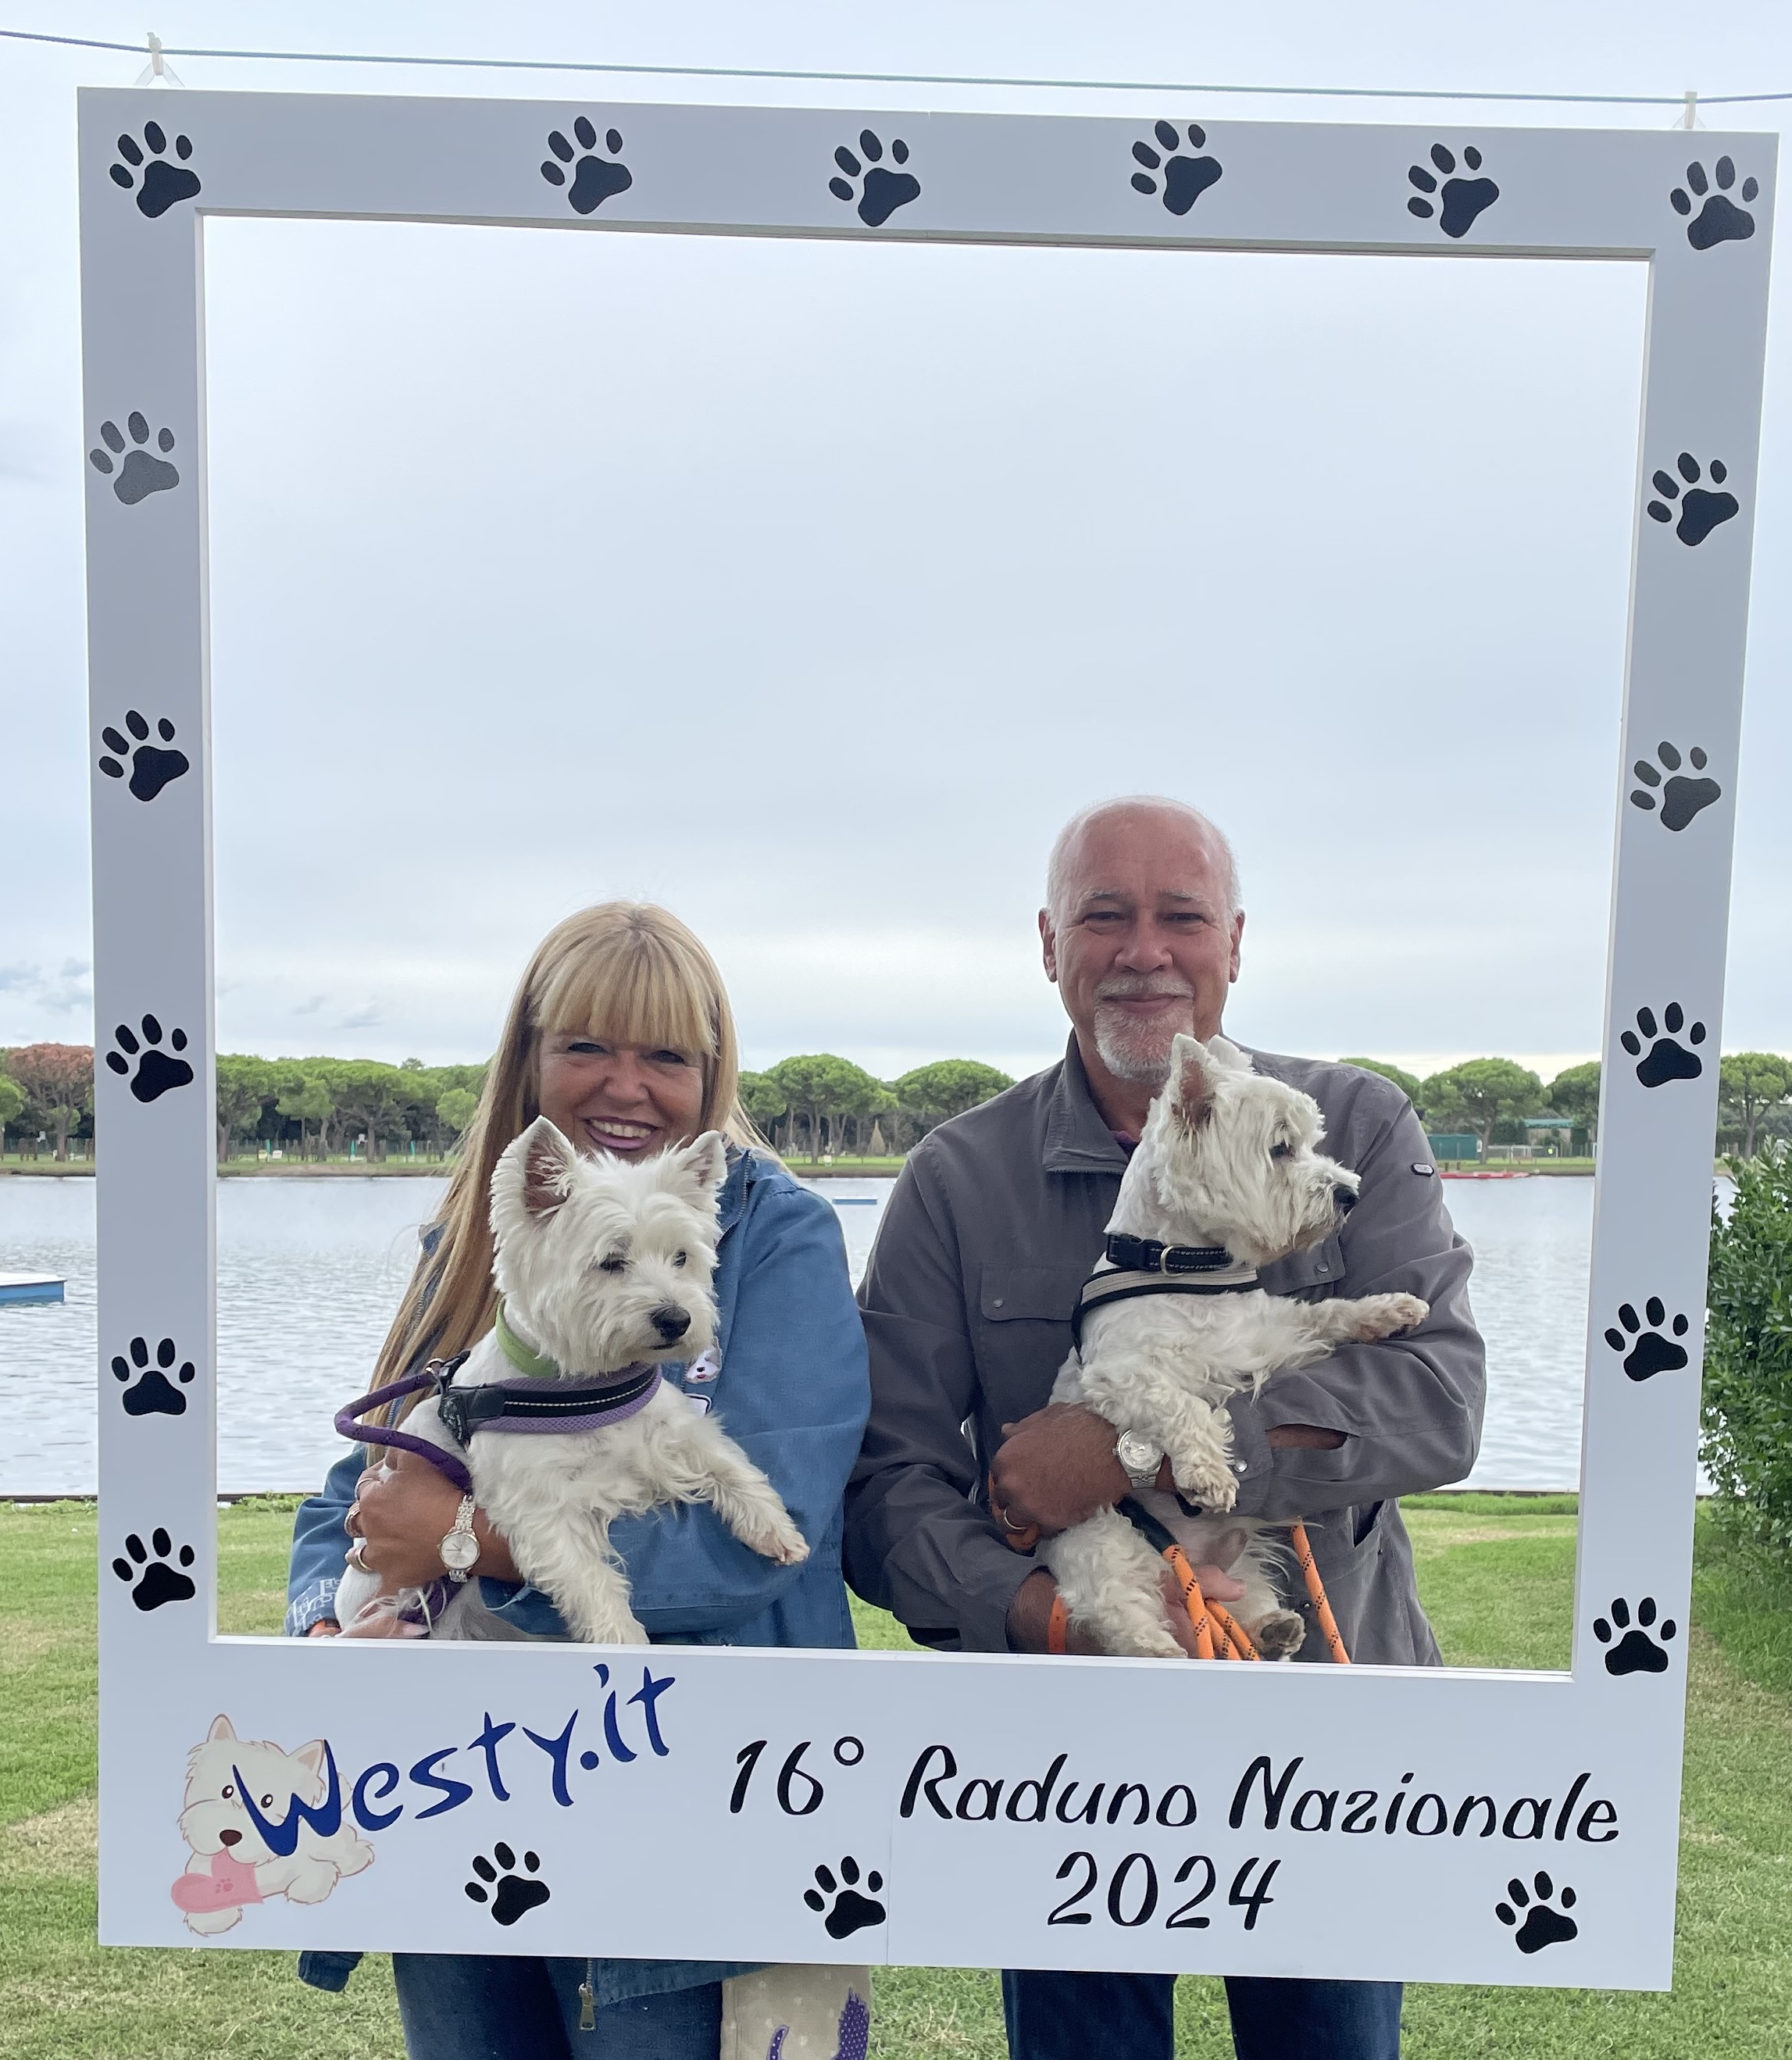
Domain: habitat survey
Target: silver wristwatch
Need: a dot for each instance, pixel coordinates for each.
(1140, 1458)
(460, 1549)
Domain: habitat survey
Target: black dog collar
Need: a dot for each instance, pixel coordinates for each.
(1150, 1255)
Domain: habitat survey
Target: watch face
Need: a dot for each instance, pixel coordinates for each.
(459, 1548)
(1136, 1454)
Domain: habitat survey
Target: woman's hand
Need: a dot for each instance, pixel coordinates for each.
(403, 1509)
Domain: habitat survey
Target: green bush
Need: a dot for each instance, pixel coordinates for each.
(1747, 1445)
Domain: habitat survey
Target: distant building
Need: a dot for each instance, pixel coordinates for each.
(1453, 1145)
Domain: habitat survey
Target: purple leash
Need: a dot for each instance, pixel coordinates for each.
(436, 1374)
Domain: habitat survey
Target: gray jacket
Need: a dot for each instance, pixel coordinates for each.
(997, 1219)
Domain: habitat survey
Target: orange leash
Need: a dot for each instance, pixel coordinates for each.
(1218, 1634)
(1316, 1590)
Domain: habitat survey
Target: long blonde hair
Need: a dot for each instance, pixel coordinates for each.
(625, 971)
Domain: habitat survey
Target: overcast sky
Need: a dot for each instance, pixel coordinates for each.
(808, 587)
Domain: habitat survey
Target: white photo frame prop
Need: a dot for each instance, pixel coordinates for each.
(1350, 1822)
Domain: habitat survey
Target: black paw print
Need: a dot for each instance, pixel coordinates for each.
(151, 767)
(1461, 201)
(1636, 1652)
(1683, 797)
(516, 1893)
(142, 474)
(851, 1911)
(1542, 1925)
(1652, 1352)
(1701, 511)
(157, 1073)
(1667, 1059)
(155, 1581)
(1185, 178)
(154, 1394)
(595, 179)
(1720, 220)
(884, 191)
(163, 183)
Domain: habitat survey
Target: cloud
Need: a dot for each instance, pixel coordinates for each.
(364, 1018)
(64, 992)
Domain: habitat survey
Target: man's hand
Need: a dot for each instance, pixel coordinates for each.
(1054, 1468)
(403, 1509)
(1030, 1612)
(1057, 1466)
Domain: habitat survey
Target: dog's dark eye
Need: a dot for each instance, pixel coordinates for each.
(228, 1792)
(1281, 1151)
(267, 1802)
(678, 1259)
(615, 1263)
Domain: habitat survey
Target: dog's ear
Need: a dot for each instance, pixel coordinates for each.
(538, 1168)
(1191, 1088)
(1224, 1053)
(311, 1755)
(702, 1165)
(222, 1728)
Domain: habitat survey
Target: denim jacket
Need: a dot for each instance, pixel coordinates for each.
(794, 1393)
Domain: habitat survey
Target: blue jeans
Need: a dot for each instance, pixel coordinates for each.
(1132, 2017)
(474, 2006)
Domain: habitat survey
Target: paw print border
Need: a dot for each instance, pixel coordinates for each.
(1601, 1744)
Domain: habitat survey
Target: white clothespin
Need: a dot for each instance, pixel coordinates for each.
(158, 67)
(1689, 119)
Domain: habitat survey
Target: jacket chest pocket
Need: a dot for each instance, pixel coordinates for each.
(1318, 1270)
(1028, 1294)
(1023, 1334)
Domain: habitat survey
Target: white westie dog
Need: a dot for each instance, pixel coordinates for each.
(604, 1267)
(1227, 1178)
(232, 1865)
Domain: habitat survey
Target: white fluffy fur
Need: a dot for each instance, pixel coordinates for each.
(213, 1820)
(556, 1217)
(1228, 1157)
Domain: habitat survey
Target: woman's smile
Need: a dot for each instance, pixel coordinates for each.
(616, 1133)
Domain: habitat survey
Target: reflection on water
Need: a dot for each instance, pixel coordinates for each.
(309, 1271)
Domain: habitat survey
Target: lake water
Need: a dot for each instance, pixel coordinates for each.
(309, 1270)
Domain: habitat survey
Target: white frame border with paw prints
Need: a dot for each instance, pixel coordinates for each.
(630, 1792)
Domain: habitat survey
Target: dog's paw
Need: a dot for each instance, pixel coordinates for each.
(1213, 1488)
(1385, 1315)
(786, 1548)
(1280, 1634)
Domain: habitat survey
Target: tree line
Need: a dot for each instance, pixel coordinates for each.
(814, 1107)
(1492, 1099)
(817, 1105)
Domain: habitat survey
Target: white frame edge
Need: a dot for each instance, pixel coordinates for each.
(1343, 1905)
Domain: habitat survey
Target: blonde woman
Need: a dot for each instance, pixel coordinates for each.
(621, 1031)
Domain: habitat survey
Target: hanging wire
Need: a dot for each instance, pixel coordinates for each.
(901, 77)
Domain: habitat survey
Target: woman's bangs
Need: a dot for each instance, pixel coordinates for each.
(638, 995)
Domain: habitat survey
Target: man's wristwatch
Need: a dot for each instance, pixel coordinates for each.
(460, 1549)
(1140, 1458)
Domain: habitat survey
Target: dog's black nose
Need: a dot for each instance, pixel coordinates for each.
(228, 1838)
(670, 1322)
(1345, 1200)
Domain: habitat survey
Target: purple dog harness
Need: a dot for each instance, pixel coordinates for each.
(530, 1404)
(538, 1402)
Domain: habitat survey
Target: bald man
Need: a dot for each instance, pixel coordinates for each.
(995, 1223)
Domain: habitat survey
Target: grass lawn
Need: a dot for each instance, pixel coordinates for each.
(1496, 1573)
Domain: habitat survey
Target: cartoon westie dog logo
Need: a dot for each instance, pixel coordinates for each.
(260, 1822)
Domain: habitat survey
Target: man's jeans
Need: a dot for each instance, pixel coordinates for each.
(1132, 2017)
(470, 2006)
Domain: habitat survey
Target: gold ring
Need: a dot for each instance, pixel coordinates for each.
(357, 1558)
(1002, 1519)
